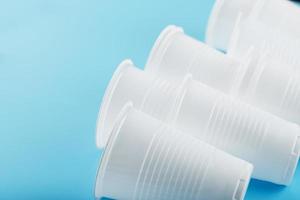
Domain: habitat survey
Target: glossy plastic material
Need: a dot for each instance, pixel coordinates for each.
(209, 115)
(281, 15)
(145, 159)
(253, 78)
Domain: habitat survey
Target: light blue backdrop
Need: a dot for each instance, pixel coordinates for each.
(56, 58)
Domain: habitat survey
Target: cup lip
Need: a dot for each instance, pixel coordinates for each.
(160, 45)
(213, 18)
(121, 118)
(101, 135)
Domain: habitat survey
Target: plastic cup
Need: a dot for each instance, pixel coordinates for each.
(222, 20)
(207, 114)
(253, 78)
(278, 47)
(176, 54)
(277, 14)
(145, 159)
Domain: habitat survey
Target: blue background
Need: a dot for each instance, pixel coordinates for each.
(56, 58)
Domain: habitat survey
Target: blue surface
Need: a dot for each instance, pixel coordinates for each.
(56, 58)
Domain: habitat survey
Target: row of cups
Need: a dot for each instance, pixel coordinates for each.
(197, 123)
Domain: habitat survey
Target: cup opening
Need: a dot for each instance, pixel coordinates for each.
(112, 137)
(160, 45)
(101, 134)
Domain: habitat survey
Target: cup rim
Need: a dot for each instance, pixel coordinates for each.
(121, 118)
(102, 136)
(160, 45)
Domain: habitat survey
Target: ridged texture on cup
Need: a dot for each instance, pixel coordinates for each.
(157, 107)
(226, 119)
(175, 54)
(279, 46)
(242, 130)
(168, 164)
(162, 174)
(291, 98)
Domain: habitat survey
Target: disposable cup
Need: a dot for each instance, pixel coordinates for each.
(253, 78)
(275, 45)
(146, 159)
(176, 54)
(207, 114)
(222, 20)
(277, 14)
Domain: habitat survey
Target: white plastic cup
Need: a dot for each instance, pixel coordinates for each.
(281, 15)
(209, 115)
(253, 78)
(145, 159)
(176, 54)
(277, 46)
